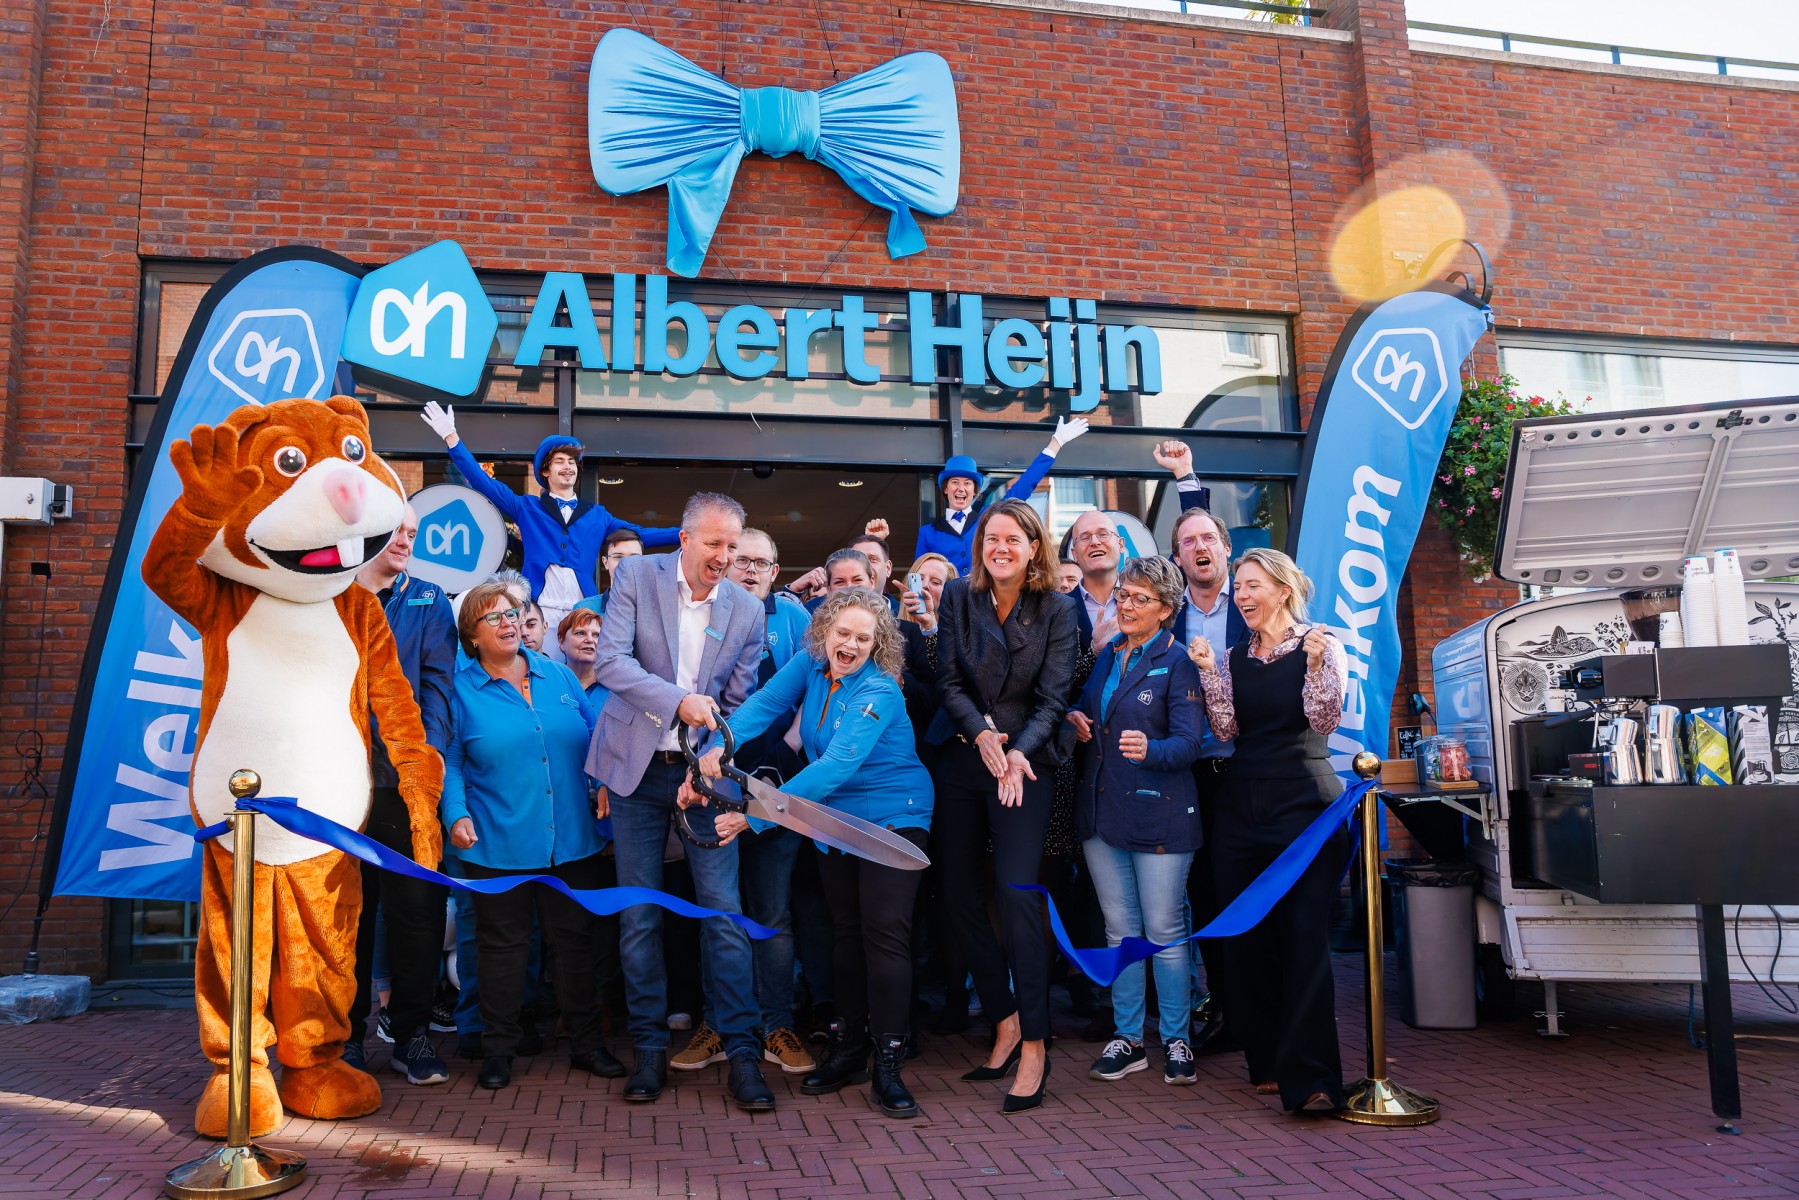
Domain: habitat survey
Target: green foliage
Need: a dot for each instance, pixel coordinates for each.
(1467, 496)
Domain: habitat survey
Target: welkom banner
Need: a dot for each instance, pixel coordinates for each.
(1383, 414)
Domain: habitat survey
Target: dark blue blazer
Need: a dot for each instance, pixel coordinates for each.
(1151, 806)
(1186, 622)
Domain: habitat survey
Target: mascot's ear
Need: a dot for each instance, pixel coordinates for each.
(348, 406)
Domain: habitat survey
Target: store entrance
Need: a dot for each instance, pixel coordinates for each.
(809, 511)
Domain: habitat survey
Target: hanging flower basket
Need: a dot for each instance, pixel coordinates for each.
(1469, 490)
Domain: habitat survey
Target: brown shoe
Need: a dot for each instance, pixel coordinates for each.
(703, 1049)
(783, 1047)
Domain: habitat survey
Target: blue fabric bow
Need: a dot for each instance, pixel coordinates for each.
(655, 118)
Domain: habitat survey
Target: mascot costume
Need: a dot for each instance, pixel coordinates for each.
(280, 505)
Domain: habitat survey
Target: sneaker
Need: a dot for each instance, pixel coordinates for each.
(703, 1049)
(783, 1047)
(1179, 1069)
(1122, 1057)
(443, 1011)
(419, 1062)
(384, 1026)
(356, 1056)
(678, 1021)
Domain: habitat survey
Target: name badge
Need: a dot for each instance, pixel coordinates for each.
(1158, 671)
(714, 634)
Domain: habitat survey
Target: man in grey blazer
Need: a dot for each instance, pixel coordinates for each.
(680, 644)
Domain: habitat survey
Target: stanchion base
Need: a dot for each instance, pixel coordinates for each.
(1383, 1102)
(237, 1172)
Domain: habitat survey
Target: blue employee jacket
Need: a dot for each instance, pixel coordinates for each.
(1151, 806)
(940, 538)
(857, 738)
(425, 639)
(515, 769)
(547, 540)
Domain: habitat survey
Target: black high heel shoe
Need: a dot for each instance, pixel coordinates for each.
(986, 1074)
(1017, 1104)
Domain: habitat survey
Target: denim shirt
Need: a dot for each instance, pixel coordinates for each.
(515, 769)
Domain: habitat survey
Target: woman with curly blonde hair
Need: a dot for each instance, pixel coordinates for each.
(861, 759)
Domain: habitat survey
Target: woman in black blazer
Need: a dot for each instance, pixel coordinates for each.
(1005, 660)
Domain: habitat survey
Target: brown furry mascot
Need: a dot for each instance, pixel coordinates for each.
(280, 505)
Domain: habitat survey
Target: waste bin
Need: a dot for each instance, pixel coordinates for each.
(1434, 933)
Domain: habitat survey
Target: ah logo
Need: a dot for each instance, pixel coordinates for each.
(450, 537)
(269, 354)
(1145, 696)
(1403, 370)
(425, 319)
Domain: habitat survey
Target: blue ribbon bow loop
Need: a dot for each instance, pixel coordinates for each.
(655, 118)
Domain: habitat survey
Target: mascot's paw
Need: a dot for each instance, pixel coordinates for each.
(330, 1091)
(213, 1116)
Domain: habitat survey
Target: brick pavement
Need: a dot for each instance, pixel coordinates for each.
(97, 1108)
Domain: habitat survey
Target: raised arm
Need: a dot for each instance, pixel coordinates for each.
(212, 488)
(1066, 431)
(1177, 457)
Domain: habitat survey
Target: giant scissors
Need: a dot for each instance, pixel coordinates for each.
(761, 800)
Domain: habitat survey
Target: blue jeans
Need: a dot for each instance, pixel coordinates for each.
(766, 862)
(1145, 896)
(640, 830)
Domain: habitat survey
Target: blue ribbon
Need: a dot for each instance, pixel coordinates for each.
(1239, 916)
(286, 812)
(654, 118)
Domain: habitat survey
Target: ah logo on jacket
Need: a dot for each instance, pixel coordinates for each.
(1145, 697)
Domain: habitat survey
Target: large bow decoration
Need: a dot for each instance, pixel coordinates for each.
(655, 118)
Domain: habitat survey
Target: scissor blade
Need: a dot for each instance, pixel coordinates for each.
(852, 835)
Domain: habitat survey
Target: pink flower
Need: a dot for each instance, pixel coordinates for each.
(1468, 470)
(1495, 493)
(1470, 511)
(1442, 504)
(1443, 478)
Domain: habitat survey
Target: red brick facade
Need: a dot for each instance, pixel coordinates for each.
(1132, 156)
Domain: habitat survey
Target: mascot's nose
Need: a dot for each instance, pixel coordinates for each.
(348, 493)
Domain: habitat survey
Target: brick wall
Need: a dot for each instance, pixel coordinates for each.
(1108, 153)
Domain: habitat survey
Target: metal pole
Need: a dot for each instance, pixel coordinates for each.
(240, 1169)
(1377, 1100)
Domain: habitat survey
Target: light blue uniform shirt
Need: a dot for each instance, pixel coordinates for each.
(515, 769)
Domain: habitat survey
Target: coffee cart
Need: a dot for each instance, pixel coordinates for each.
(1585, 882)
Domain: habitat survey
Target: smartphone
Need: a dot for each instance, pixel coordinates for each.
(915, 585)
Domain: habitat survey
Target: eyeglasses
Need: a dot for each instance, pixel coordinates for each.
(1136, 599)
(1094, 535)
(758, 565)
(504, 615)
(1204, 539)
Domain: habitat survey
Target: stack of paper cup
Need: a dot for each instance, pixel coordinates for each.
(1670, 631)
(1732, 603)
(1699, 603)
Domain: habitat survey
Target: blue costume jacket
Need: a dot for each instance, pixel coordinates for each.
(425, 639)
(857, 738)
(549, 542)
(939, 537)
(1151, 805)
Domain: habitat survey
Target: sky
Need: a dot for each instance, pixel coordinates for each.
(1764, 29)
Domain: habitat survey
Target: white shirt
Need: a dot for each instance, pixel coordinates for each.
(957, 520)
(695, 619)
(1098, 613)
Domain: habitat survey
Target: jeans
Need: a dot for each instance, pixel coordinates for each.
(412, 919)
(1145, 896)
(640, 830)
(766, 862)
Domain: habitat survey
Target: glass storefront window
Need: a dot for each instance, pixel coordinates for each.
(1609, 376)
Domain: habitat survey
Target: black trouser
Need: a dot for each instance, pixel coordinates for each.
(503, 932)
(1278, 988)
(967, 814)
(414, 913)
(871, 946)
(1202, 887)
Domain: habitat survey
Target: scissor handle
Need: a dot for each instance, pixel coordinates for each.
(703, 787)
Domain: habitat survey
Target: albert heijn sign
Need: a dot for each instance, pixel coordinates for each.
(425, 319)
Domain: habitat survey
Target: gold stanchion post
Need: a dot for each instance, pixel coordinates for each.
(1377, 1100)
(240, 1169)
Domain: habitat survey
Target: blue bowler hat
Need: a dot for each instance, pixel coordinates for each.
(549, 446)
(961, 466)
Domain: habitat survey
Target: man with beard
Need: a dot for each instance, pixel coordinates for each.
(1202, 550)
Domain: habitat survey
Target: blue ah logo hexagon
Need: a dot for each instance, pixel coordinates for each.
(1403, 370)
(449, 537)
(269, 354)
(425, 319)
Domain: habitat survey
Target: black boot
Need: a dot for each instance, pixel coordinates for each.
(848, 1063)
(888, 1089)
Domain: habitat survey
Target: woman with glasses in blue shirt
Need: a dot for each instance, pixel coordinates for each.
(517, 802)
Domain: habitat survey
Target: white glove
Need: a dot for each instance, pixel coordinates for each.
(441, 418)
(1068, 430)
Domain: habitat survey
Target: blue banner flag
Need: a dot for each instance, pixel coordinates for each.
(1389, 397)
(270, 329)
